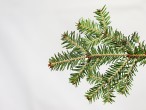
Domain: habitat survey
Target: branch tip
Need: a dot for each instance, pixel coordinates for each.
(64, 36)
(50, 65)
(78, 24)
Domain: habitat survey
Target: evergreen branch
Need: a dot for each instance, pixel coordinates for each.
(80, 74)
(114, 71)
(94, 77)
(58, 60)
(94, 92)
(108, 95)
(92, 41)
(130, 70)
(73, 41)
(125, 44)
(103, 17)
(91, 30)
(119, 41)
(125, 82)
(88, 27)
(99, 45)
(66, 59)
(110, 75)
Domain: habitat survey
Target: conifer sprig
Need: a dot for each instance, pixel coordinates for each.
(88, 27)
(96, 44)
(103, 17)
(73, 41)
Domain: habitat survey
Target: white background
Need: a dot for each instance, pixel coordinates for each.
(30, 33)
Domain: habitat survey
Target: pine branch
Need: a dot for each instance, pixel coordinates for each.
(97, 44)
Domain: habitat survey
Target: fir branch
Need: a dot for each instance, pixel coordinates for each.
(88, 27)
(58, 60)
(66, 59)
(119, 41)
(73, 41)
(92, 41)
(123, 88)
(80, 74)
(114, 71)
(101, 44)
(94, 77)
(103, 17)
(110, 75)
(94, 92)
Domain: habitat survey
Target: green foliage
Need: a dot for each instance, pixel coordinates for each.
(88, 27)
(91, 30)
(64, 60)
(80, 74)
(103, 17)
(98, 44)
(73, 41)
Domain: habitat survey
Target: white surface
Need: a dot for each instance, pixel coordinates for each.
(30, 32)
